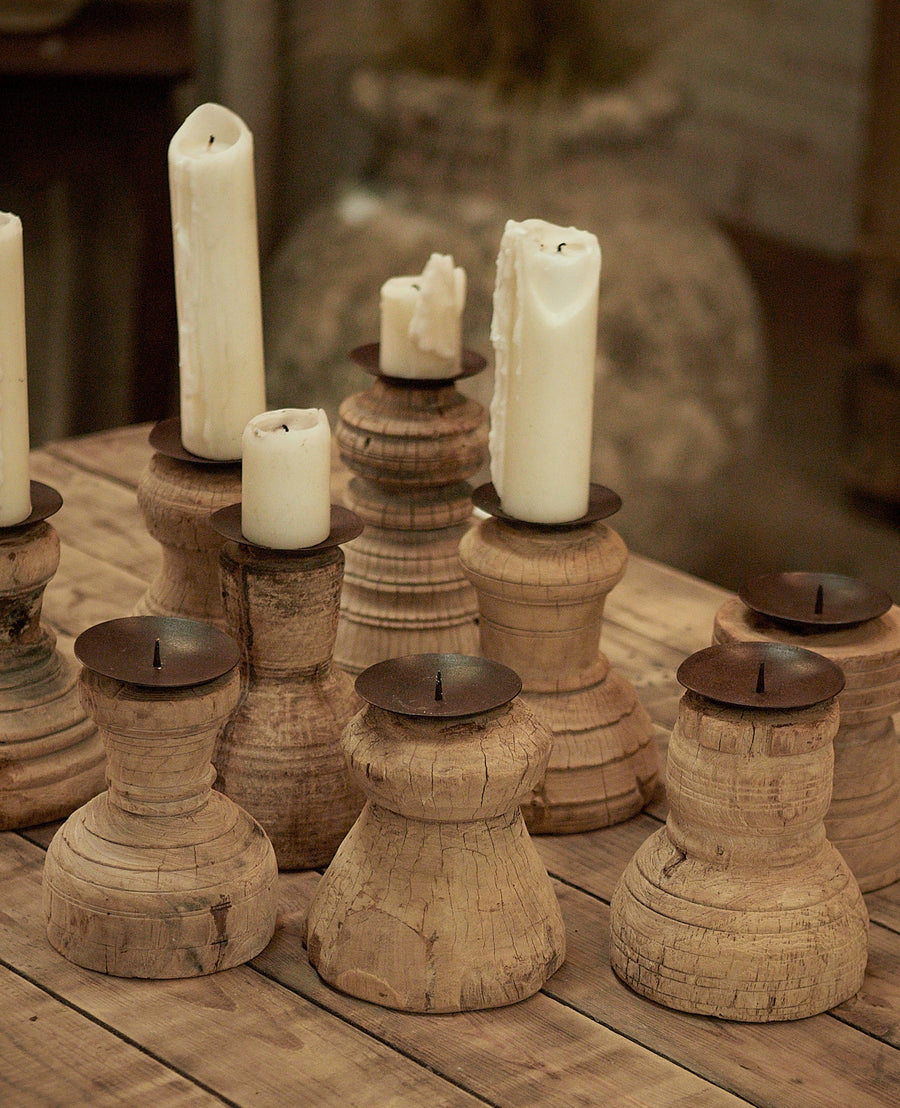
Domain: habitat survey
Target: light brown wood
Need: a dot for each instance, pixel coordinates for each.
(863, 820)
(739, 907)
(51, 756)
(279, 756)
(541, 596)
(437, 901)
(159, 876)
(411, 450)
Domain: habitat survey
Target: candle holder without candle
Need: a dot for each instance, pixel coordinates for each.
(177, 493)
(51, 755)
(411, 445)
(437, 900)
(857, 627)
(279, 756)
(541, 593)
(740, 907)
(159, 876)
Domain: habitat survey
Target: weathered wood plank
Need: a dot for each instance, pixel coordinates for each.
(85, 590)
(121, 454)
(50, 1055)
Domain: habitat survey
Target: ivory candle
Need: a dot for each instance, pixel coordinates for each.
(15, 486)
(286, 479)
(544, 333)
(421, 321)
(217, 285)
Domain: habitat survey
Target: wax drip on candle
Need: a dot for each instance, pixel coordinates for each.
(157, 658)
(820, 600)
(438, 687)
(761, 679)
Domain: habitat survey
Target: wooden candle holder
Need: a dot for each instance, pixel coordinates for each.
(863, 821)
(279, 756)
(541, 592)
(411, 445)
(177, 494)
(160, 876)
(51, 756)
(437, 900)
(740, 907)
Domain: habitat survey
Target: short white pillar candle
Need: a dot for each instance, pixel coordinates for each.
(15, 484)
(544, 332)
(421, 321)
(286, 479)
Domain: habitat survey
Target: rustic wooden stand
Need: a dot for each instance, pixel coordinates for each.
(739, 907)
(411, 445)
(279, 756)
(437, 900)
(863, 821)
(177, 494)
(541, 592)
(160, 876)
(51, 755)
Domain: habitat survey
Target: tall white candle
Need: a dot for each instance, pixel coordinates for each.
(544, 333)
(217, 287)
(286, 478)
(15, 485)
(421, 321)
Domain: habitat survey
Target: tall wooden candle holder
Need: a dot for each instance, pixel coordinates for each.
(159, 876)
(437, 900)
(740, 907)
(177, 494)
(857, 627)
(411, 445)
(279, 756)
(51, 755)
(541, 592)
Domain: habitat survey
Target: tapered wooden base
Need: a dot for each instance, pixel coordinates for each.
(863, 821)
(739, 907)
(437, 900)
(541, 595)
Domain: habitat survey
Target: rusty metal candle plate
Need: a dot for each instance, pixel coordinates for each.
(165, 438)
(602, 503)
(367, 358)
(761, 675)
(438, 686)
(814, 601)
(45, 502)
(345, 526)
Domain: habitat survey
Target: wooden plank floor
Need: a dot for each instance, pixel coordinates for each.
(272, 1033)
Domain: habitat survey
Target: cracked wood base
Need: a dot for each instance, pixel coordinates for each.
(159, 876)
(437, 900)
(739, 907)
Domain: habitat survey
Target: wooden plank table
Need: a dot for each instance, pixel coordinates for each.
(272, 1033)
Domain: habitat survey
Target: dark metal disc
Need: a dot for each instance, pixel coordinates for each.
(165, 438)
(345, 525)
(438, 686)
(367, 358)
(793, 598)
(602, 503)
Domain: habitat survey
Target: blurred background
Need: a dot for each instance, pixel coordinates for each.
(739, 161)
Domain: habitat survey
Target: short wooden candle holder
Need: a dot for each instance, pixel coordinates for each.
(740, 907)
(177, 494)
(279, 756)
(863, 820)
(51, 753)
(437, 900)
(411, 445)
(541, 593)
(159, 876)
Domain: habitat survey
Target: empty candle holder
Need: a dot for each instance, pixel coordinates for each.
(437, 900)
(177, 493)
(855, 625)
(411, 445)
(541, 593)
(740, 907)
(51, 754)
(159, 876)
(279, 756)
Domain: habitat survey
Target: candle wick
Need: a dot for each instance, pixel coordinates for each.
(560, 248)
(438, 687)
(157, 660)
(284, 427)
(212, 139)
(820, 600)
(761, 678)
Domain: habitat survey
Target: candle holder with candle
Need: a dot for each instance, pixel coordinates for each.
(437, 900)
(740, 907)
(279, 756)
(541, 593)
(855, 625)
(159, 876)
(177, 493)
(411, 444)
(52, 755)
